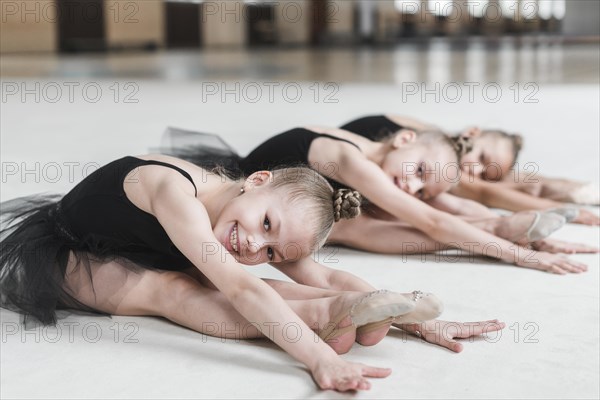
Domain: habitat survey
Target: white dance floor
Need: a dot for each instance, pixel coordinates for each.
(549, 349)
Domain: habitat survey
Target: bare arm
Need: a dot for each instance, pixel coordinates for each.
(498, 196)
(309, 272)
(356, 171)
(441, 333)
(187, 223)
(459, 206)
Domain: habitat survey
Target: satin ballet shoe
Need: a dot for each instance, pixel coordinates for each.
(542, 226)
(570, 213)
(426, 307)
(374, 308)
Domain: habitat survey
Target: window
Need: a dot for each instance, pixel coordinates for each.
(545, 9)
(509, 8)
(442, 8)
(529, 9)
(559, 9)
(408, 6)
(477, 8)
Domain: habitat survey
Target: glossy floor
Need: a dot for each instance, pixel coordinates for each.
(505, 60)
(49, 141)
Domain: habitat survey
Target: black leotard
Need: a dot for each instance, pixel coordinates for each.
(98, 211)
(288, 149)
(95, 221)
(375, 127)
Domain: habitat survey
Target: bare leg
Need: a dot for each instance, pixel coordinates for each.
(534, 188)
(394, 237)
(182, 299)
(379, 236)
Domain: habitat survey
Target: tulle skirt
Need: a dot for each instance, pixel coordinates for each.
(35, 247)
(206, 150)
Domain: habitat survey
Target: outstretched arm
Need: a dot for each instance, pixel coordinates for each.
(187, 223)
(311, 273)
(356, 171)
(500, 196)
(459, 206)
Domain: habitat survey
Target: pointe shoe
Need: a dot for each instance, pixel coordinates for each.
(570, 213)
(426, 307)
(375, 308)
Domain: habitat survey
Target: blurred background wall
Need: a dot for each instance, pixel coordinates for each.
(112, 25)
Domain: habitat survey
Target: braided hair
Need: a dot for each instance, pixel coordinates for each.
(346, 204)
(461, 145)
(306, 189)
(458, 145)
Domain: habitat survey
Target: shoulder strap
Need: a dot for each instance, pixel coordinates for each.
(337, 138)
(176, 168)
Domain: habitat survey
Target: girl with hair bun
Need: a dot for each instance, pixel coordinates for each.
(156, 235)
(290, 149)
(487, 165)
(399, 175)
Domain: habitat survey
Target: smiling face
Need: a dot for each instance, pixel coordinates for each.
(418, 166)
(261, 226)
(491, 158)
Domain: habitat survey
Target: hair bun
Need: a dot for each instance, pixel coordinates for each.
(462, 145)
(517, 142)
(346, 204)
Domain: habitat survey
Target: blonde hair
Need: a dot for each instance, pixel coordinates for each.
(458, 145)
(515, 139)
(322, 206)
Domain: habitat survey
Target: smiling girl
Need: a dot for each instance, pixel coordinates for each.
(397, 175)
(155, 235)
(488, 176)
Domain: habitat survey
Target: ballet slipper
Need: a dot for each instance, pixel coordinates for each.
(376, 307)
(586, 194)
(426, 307)
(542, 226)
(570, 213)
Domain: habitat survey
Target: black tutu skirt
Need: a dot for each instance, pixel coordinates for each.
(206, 150)
(35, 247)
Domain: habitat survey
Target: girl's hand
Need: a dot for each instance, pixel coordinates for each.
(558, 246)
(443, 333)
(553, 263)
(342, 375)
(586, 217)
